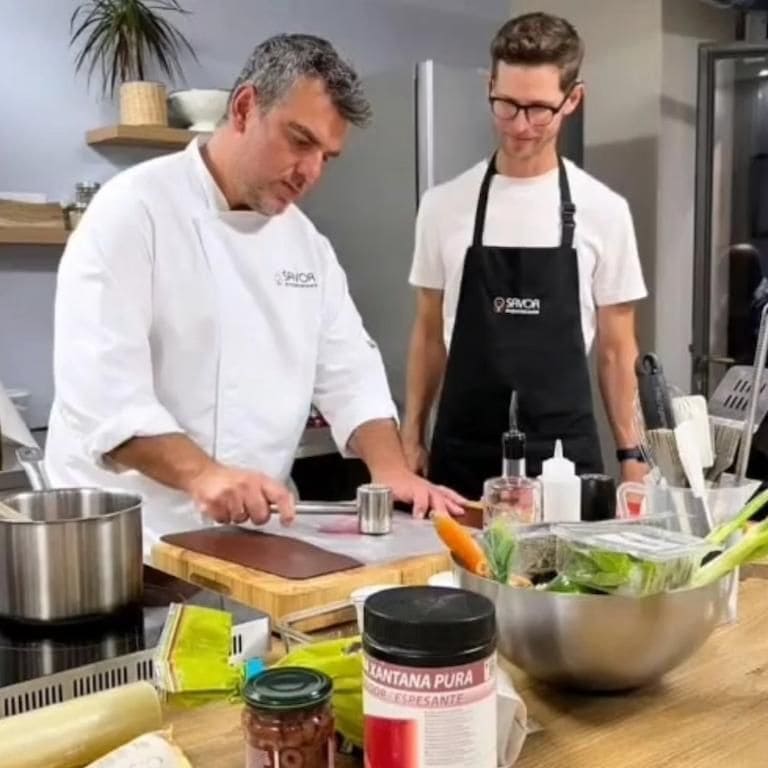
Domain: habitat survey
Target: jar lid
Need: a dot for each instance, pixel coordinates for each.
(430, 620)
(288, 688)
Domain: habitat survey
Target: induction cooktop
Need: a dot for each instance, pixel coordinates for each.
(42, 664)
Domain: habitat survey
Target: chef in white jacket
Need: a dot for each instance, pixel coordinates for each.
(199, 313)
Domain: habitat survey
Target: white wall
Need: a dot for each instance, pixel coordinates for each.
(46, 111)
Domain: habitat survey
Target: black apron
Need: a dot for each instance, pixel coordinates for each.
(518, 327)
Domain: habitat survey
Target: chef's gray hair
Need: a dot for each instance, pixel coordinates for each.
(277, 63)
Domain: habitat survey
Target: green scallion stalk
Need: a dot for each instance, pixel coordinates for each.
(723, 532)
(752, 546)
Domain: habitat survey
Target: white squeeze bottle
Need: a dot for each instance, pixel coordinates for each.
(561, 489)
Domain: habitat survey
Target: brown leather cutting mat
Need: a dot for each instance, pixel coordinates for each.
(278, 555)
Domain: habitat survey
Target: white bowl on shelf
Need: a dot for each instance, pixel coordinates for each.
(197, 109)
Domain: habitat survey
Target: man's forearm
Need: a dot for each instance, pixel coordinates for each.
(172, 460)
(426, 365)
(378, 444)
(618, 385)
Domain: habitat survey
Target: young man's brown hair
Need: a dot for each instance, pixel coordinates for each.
(540, 38)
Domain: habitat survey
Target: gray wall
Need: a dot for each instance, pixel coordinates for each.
(46, 111)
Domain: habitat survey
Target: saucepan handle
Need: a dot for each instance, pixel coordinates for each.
(31, 460)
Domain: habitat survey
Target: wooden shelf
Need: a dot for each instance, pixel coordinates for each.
(32, 236)
(157, 136)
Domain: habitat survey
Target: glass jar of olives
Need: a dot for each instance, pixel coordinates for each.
(288, 720)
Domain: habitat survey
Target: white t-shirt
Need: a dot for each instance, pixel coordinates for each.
(526, 212)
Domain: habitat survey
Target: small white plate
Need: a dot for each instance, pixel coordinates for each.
(443, 579)
(361, 594)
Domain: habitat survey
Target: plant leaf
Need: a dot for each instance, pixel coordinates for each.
(122, 37)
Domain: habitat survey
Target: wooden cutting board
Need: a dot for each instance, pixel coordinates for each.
(279, 555)
(279, 596)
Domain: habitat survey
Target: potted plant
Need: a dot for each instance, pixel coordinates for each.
(124, 38)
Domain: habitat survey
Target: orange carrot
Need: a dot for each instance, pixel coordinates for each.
(462, 544)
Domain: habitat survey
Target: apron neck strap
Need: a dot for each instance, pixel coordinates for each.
(567, 208)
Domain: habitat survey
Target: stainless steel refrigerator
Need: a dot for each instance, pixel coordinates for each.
(430, 123)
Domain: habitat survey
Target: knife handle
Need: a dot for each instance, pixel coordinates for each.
(653, 393)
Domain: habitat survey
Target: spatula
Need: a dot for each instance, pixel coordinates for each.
(694, 408)
(685, 437)
(726, 440)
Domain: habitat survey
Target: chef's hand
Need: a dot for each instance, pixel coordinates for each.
(421, 494)
(633, 471)
(231, 495)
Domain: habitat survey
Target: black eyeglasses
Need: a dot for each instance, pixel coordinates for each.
(537, 115)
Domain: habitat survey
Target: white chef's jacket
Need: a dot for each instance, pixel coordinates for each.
(176, 315)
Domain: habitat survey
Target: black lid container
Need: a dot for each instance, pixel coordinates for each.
(429, 626)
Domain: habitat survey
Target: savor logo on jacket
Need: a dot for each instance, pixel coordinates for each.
(286, 278)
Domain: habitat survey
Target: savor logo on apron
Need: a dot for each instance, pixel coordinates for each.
(518, 327)
(517, 306)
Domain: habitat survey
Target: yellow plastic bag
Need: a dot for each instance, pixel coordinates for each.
(342, 661)
(191, 662)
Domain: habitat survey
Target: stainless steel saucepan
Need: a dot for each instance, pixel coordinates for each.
(79, 555)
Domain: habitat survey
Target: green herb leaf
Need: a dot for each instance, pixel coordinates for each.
(122, 37)
(499, 543)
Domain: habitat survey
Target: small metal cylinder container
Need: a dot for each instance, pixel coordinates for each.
(375, 506)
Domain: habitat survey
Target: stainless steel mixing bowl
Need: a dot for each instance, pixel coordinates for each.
(600, 642)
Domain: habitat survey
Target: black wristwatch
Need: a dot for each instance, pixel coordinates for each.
(630, 454)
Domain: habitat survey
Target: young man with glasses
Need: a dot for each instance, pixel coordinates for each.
(521, 263)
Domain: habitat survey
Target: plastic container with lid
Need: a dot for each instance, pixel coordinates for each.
(633, 560)
(429, 679)
(288, 720)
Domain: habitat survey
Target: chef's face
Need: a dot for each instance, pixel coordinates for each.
(284, 149)
(521, 136)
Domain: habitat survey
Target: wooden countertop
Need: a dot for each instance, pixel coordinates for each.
(713, 707)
